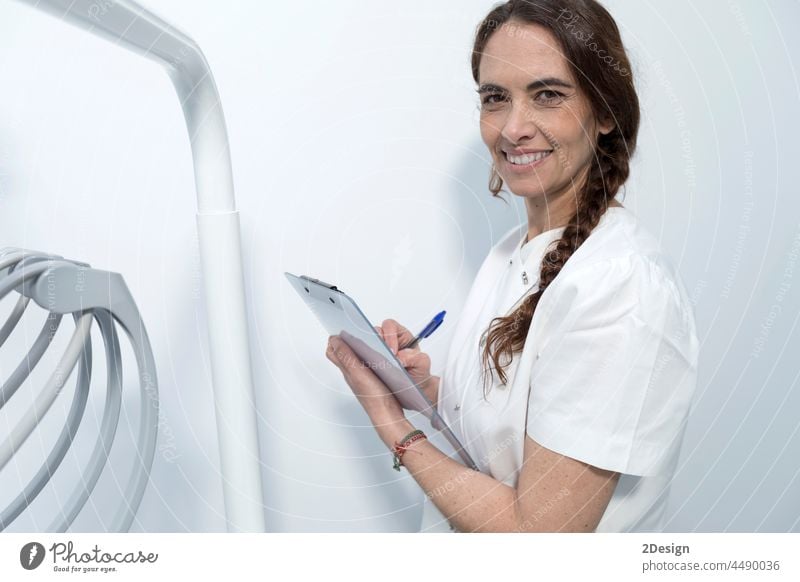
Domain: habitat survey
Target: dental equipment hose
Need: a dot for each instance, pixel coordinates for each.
(52, 282)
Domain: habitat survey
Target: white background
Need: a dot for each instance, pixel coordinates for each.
(357, 160)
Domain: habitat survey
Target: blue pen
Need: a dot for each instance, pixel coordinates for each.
(429, 329)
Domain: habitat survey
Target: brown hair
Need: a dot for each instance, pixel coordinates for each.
(608, 84)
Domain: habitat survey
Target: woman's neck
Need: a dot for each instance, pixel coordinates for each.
(548, 218)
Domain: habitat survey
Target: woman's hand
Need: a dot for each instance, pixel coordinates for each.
(376, 398)
(416, 362)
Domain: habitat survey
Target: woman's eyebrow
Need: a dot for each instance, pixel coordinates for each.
(547, 82)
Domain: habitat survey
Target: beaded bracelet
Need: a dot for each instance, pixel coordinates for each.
(400, 447)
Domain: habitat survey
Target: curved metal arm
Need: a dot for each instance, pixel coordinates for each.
(129, 25)
(126, 23)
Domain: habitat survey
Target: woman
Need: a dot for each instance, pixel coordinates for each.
(573, 364)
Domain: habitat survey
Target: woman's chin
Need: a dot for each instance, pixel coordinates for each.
(525, 190)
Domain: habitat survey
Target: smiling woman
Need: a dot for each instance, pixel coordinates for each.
(572, 367)
(576, 107)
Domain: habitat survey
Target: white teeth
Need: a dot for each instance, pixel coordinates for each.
(526, 159)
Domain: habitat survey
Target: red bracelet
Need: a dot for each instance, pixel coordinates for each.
(401, 447)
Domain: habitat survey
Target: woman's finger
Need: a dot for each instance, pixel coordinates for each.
(399, 335)
(406, 358)
(343, 356)
(330, 352)
(390, 331)
(414, 360)
(389, 339)
(379, 329)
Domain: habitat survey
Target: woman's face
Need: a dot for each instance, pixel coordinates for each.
(536, 123)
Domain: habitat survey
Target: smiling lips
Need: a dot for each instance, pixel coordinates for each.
(526, 160)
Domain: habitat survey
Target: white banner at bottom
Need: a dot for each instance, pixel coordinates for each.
(388, 557)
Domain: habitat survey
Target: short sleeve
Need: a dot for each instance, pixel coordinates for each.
(613, 380)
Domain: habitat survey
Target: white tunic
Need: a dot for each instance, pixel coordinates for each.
(606, 375)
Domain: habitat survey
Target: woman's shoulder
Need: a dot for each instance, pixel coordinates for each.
(620, 251)
(624, 259)
(621, 238)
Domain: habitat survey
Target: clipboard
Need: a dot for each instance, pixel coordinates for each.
(340, 315)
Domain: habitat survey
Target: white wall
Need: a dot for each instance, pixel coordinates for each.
(357, 160)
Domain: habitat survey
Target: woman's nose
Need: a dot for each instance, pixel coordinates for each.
(520, 125)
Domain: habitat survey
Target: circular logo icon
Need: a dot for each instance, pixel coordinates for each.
(31, 555)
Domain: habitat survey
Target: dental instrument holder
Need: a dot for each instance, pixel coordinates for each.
(125, 23)
(73, 287)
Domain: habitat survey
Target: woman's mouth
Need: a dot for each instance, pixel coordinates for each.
(527, 162)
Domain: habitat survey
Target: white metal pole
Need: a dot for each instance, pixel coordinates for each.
(126, 23)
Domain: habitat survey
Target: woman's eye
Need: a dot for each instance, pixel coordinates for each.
(549, 96)
(489, 99)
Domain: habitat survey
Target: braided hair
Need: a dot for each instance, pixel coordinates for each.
(612, 95)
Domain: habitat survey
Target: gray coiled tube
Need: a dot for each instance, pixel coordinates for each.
(108, 428)
(51, 282)
(32, 490)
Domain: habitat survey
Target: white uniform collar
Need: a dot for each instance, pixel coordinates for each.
(526, 262)
(506, 254)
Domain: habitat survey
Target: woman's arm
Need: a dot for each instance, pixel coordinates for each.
(554, 493)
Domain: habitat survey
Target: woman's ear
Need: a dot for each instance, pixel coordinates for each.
(606, 127)
(604, 124)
